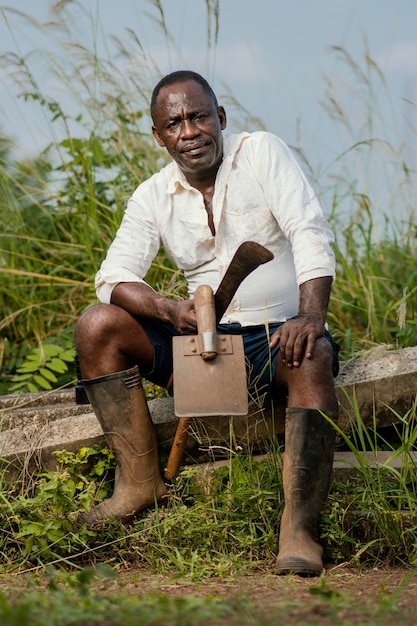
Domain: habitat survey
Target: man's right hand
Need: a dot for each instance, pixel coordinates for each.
(183, 317)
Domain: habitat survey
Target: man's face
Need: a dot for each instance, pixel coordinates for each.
(188, 124)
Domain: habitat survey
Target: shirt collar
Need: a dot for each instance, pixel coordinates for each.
(231, 144)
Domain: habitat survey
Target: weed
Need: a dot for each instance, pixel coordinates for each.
(372, 517)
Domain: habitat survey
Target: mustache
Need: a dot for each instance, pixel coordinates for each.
(192, 145)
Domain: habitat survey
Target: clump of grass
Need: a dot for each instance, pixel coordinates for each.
(372, 518)
(224, 523)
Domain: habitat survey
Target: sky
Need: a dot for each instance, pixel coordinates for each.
(274, 56)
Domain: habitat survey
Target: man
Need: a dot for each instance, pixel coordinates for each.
(216, 193)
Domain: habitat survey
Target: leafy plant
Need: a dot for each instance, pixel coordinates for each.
(44, 520)
(43, 368)
(89, 465)
(40, 522)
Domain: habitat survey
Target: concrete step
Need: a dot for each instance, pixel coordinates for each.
(345, 465)
(381, 387)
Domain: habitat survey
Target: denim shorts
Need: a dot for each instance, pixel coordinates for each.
(261, 360)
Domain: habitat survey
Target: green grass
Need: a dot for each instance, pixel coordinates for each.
(218, 526)
(71, 599)
(103, 597)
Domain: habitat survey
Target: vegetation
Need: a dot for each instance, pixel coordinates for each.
(219, 525)
(60, 211)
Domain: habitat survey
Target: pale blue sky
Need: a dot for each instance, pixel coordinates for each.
(273, 55)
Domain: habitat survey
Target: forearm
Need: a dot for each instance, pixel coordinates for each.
(141, 301)
(314, 298)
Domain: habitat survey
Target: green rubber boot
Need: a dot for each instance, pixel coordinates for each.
(119, 403)
(308, 463)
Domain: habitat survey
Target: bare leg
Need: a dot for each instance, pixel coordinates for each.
(311, 385)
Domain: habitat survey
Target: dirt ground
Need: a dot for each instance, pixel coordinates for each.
(343, 596)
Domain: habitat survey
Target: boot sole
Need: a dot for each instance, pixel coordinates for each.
(299, 568)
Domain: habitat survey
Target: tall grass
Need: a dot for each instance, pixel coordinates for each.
(61, 210)
(370, 188)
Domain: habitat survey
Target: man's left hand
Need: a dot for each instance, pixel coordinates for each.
(297, 338)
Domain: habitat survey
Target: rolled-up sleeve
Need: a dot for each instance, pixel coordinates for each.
(296, 209)
(131, 253)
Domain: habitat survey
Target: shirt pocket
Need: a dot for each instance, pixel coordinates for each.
(249, 221)
(189, 244)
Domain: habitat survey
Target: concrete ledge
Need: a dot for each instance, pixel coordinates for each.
(346, 464)
(379, 387)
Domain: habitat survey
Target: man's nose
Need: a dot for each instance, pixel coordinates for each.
(188, 129)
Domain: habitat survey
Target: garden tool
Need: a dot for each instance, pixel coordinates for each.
(209, 369)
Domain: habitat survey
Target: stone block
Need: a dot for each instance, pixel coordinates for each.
(381, 387)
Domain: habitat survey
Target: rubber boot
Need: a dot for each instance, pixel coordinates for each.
(120, 405)
(308, 462)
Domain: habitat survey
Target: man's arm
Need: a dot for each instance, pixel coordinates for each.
(298, 336)
(141, 301)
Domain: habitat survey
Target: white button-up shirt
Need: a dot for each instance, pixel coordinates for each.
(260, 195)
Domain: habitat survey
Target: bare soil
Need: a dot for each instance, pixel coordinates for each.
(344, 596)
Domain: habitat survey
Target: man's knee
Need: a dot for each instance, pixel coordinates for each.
(323, 352)
(95, 322)
(327, 355)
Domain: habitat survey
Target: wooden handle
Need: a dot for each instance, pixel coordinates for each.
(206, 320)
(204, 309)
(206, 323)
(177, 448)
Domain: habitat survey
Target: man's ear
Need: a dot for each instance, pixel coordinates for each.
(157, 136)
(222, 117)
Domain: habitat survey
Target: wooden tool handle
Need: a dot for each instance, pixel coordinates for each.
(206, 320)
(177, 448)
